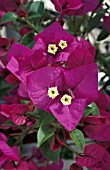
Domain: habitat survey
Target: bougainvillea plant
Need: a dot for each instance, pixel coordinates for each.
(51, 99)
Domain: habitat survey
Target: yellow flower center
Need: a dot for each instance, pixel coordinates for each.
(66, 99)
(52, 48)
(53, 92)
(62, 44)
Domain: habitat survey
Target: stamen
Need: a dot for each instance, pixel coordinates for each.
(52, 48)
(53, 92)
(62, 44)
(66, 99)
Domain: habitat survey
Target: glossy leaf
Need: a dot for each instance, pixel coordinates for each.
(44, 133)
(104, 34)
(78, 138)
(95, 20)
(32, 15)
(48, 119)
(46, 130)
(27, 40)
(88, 111)
(49, 154)
(8, 17)
(95, 111)
(37, 7)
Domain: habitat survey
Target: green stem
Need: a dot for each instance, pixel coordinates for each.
(74, 24)
(14, 28)
(56, 125)
(71, 149)
(95, 10)
(25, 133)
(26, 21)
(85, 34)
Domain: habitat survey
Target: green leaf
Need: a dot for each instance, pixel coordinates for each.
(46, 130)
(32, 15)
(49, 154)
(78, 138)
(104, 34)
(95, 109)
(27, 40)
(48, 119)
(37, 7)
(42, 115)
(4, 87)
(95, 20)
(44, 133)
(31, 44)
(35, 113)
(91, 109)
(11, 141)
(88, 111)
(8, 17)
(79, 21)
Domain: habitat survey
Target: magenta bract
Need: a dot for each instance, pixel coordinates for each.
(103, 101)
(10, 5)
(97, 127)
(67, 6)
(74, 166)
(6, 6)
(53, 166)
(15, 112)
(23, 60)
(76, 7)
(53, 35)
(37, 154)
(56, 143)
(83, 80)
(16, 55)
(80, 83)
(88, 6)
(84, 53)
(95, 157)
(4, 42)
(12, 79)
(6, 152)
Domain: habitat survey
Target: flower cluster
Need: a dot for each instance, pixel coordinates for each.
(59, 74)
